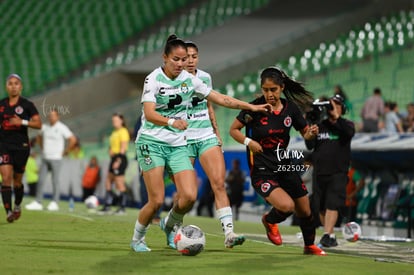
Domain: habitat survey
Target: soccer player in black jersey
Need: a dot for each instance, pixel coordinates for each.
(16, 115)
(273, 175)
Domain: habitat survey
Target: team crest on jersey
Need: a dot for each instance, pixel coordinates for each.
(184, 88)
(18, 110)
(265, 187)
(288, 121)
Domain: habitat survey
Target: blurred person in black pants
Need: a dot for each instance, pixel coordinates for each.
(235, 182)
(331, 158)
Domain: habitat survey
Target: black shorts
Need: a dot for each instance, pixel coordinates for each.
(288, 181)
(123, 164)
(17, 157)
(330, 191)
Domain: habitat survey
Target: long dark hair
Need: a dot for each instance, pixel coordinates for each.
(294, 91)
(121, 117)
(173, 42)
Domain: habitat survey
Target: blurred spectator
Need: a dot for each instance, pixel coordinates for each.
(372, 111)
(355, 183)
(206, 199)
(91, 178)
(408, 118)
(235, 182)
(52, 139)
(32, 173)
(392, 122)
(77, 152)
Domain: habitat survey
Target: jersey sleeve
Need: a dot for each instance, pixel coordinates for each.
(209, 81)
(150, 89)
(200, 88)
(299, 122)
(32, 109)
(245, 117)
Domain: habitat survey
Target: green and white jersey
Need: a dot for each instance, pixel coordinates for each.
(173, 99)
(199, 124)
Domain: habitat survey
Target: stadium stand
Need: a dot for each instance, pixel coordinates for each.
(47, 40)
(377, 54)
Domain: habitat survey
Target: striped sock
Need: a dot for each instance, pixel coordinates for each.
(225, 216)
(139, 231)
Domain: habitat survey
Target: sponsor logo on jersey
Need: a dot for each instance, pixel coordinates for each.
(327, 136)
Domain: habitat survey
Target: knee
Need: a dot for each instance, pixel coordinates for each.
(287, 207)
(7, 181)
(218, 186)
(155, 203)
(188, 198)
(303, 212)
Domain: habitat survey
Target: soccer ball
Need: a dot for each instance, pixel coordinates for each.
(189, 240)
(351, 231)
(92, 202)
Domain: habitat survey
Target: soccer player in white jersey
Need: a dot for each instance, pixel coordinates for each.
(161, 140)
(203, 139)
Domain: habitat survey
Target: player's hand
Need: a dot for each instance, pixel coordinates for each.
(255, 147)
(266, 108)
(180, 124)
(15, 120)
(116, 164)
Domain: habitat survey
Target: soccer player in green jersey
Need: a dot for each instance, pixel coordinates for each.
(161, 141)
(203, 139)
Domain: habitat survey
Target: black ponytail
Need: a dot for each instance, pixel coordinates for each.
(173, 42)
(293, 90)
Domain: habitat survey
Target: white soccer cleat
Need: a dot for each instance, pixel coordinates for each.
(232, 239)
(139, 246)
(53, 206)
(34, 205)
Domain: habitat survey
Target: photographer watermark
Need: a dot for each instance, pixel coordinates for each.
(294, 155)
(61, 109)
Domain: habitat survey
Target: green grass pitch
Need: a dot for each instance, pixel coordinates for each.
(80, 242)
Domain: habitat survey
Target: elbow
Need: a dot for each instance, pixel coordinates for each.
(37, 126)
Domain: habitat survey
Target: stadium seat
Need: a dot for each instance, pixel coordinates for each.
(81, 31)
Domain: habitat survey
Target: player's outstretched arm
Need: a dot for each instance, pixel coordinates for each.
(233, 103)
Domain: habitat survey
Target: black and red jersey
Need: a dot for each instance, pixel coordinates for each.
(272, 131)
(12, 134)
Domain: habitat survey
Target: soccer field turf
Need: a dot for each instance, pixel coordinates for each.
(80, 242)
